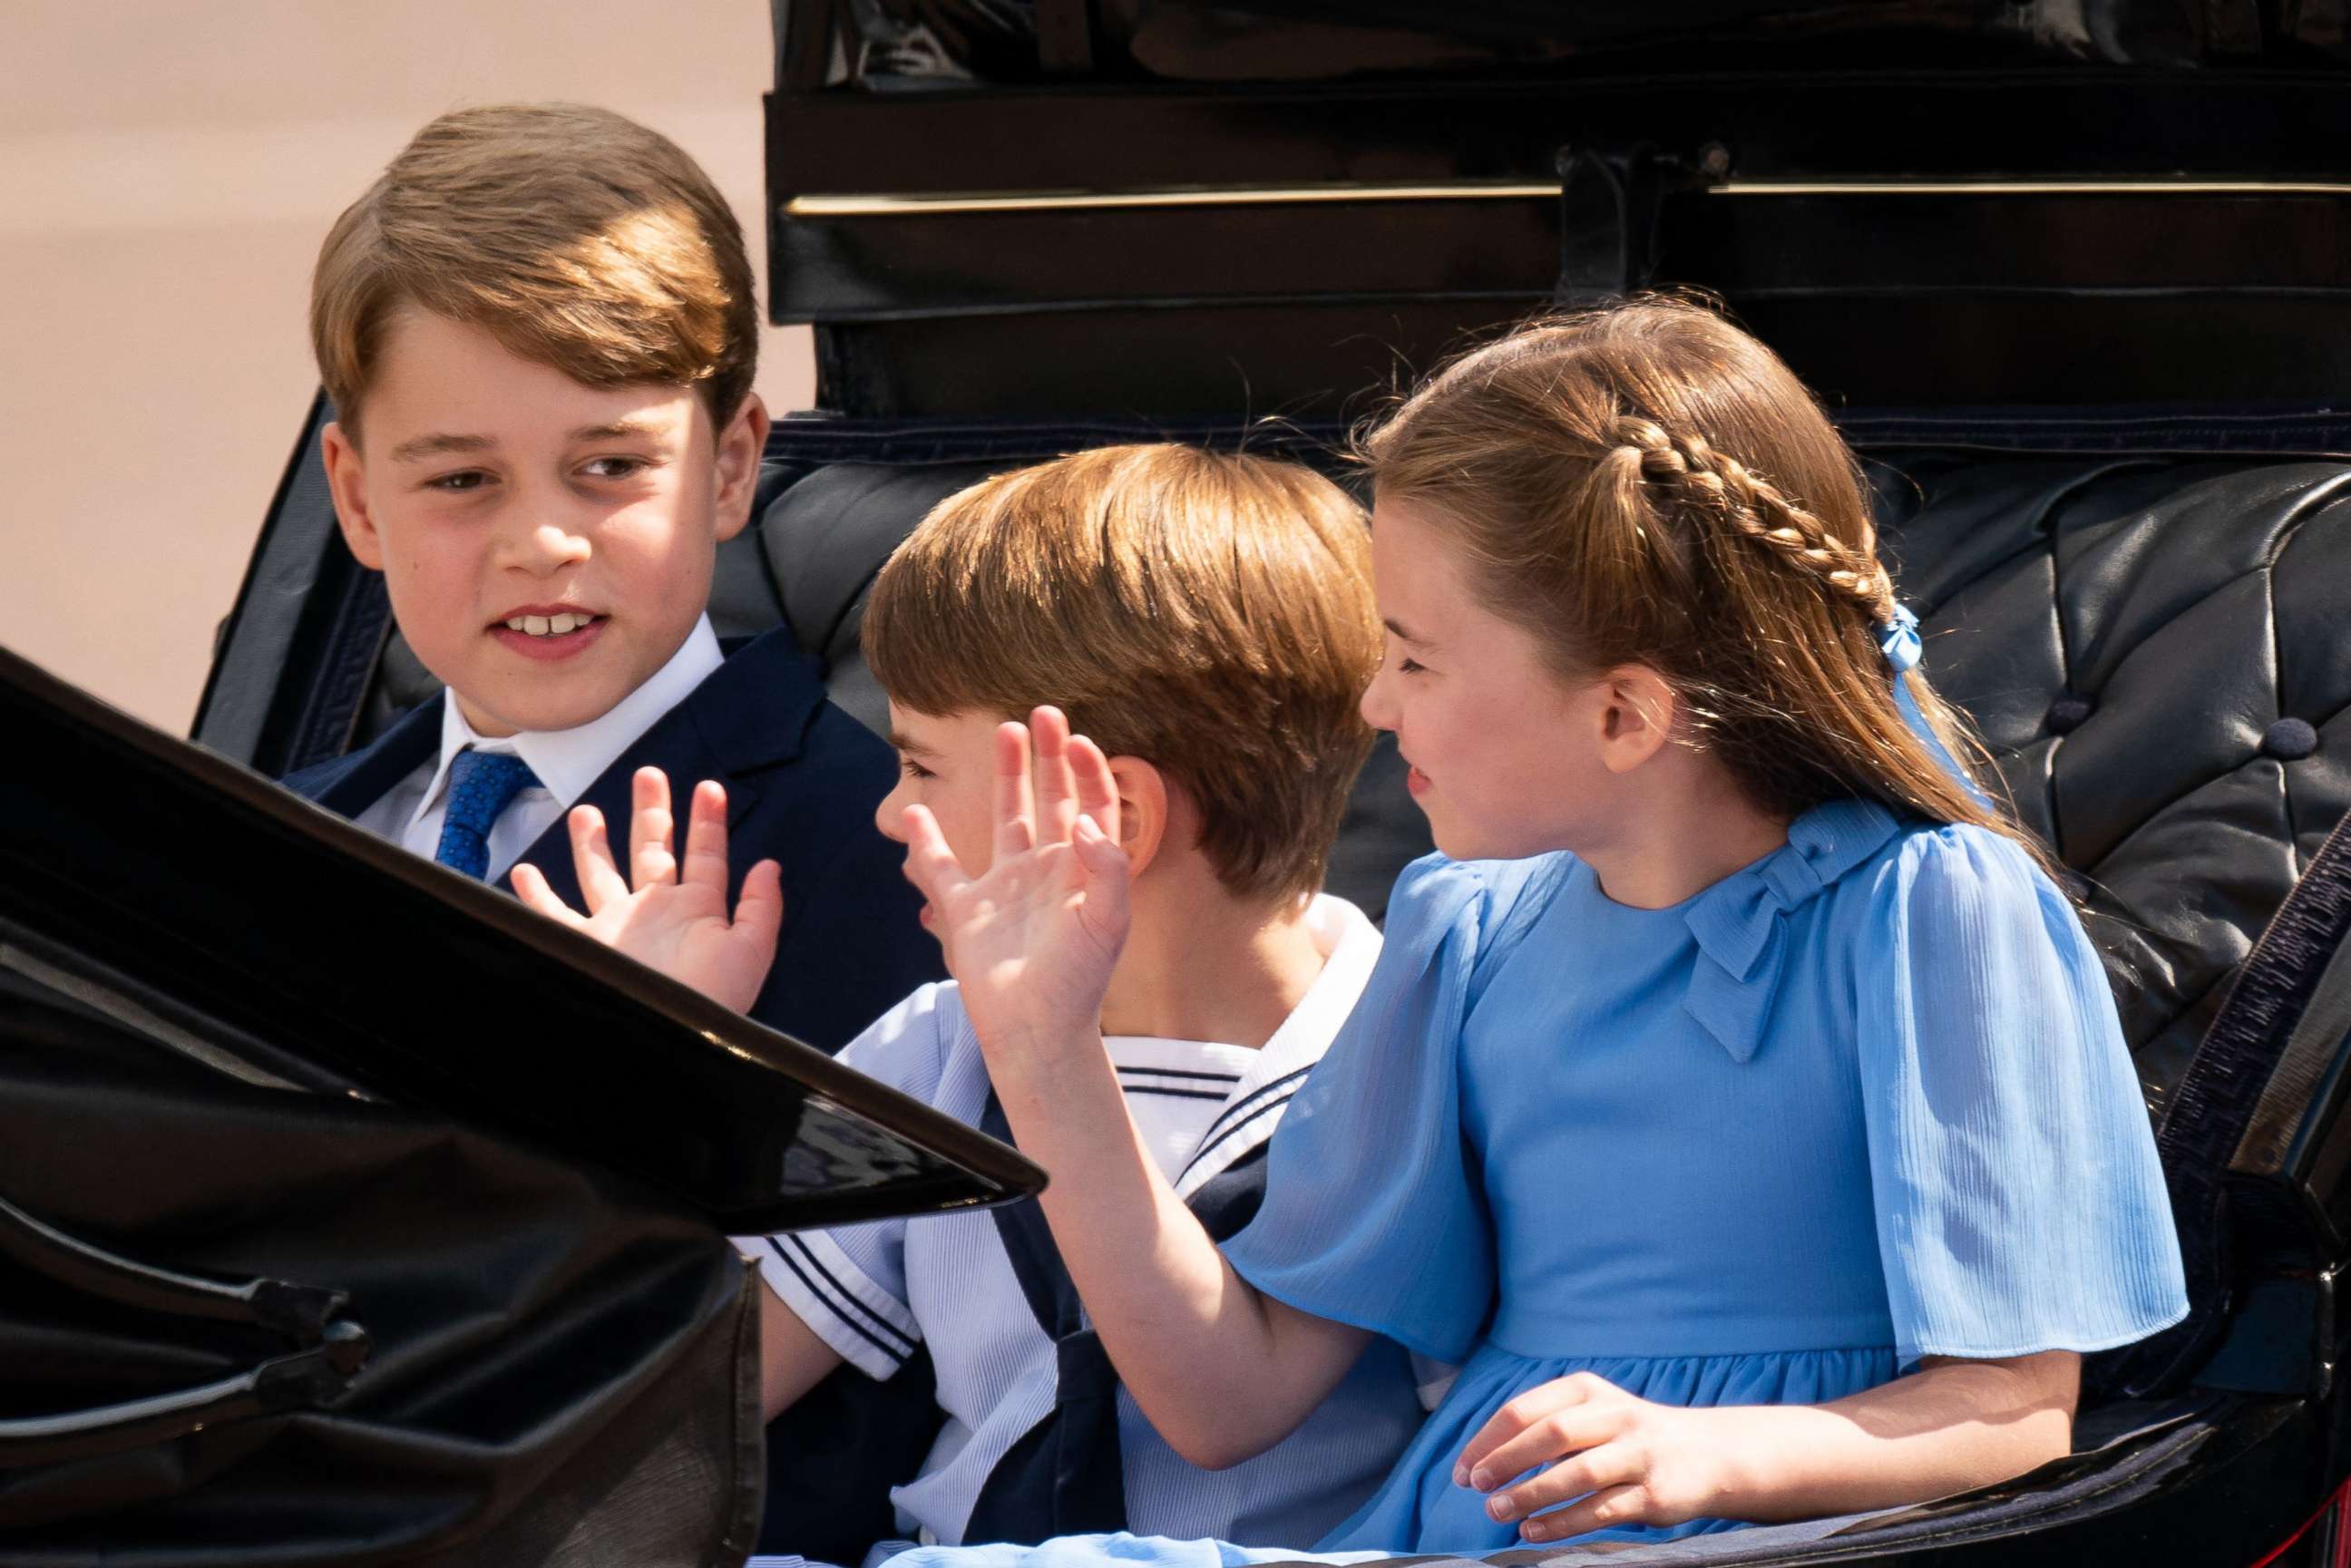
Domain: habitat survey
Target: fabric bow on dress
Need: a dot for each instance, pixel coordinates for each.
(1739, 923)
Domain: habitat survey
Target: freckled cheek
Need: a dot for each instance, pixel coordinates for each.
(971, 833)
(664, 558)
(433, 585)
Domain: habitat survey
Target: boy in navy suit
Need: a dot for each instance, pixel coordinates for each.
(538, 330)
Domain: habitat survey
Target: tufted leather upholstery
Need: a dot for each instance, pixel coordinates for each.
(2157, 649)
(2158, 652)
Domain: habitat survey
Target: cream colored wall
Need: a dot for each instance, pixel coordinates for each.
(166, 172)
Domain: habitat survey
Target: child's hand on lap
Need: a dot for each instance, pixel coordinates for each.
(1627, 1460)
(1032, 942)
(675, 918)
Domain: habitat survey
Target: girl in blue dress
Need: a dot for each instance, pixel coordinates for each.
(1737, 1101)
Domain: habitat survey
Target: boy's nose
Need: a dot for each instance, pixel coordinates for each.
(888, 815)
(547, 546)
(539, 537)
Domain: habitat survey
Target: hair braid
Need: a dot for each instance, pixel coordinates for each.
(1582, 468)
(1754, 506)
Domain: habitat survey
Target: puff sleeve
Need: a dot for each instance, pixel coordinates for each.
(2020, 1204)
(1373, 1214)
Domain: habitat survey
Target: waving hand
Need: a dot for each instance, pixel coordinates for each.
(675, 917)
(1031, 943)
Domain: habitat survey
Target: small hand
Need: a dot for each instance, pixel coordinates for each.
(1031, 943)
(1628, 1460)
(675, 919)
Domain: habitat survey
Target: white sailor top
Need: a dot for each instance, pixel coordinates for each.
(873, 1291)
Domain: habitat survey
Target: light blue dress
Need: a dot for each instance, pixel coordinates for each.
(1863, 1101)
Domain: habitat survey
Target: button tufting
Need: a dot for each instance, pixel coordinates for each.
(2290, 740)
(2066, 714)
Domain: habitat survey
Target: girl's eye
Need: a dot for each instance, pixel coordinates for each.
(913, 770)
(459, 483)
(1409, 667)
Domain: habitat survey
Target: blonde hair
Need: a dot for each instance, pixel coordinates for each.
(1210, 614)
(576, 238)
(1648, 485)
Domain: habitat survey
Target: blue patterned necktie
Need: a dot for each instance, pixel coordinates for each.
(481, 785)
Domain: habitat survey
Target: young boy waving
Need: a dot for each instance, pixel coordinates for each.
(1208, 621)
(538, 330)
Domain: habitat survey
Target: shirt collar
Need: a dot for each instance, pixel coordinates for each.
(567, 761)
(1350, 946)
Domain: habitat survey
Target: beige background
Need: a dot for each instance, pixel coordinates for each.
(166, 173)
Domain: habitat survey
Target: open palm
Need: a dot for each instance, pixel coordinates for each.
(675, 918)
(1032, 942)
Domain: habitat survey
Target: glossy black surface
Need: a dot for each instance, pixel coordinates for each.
(265, 919)
(1916, 226)
(1778, 123)
(902, 48)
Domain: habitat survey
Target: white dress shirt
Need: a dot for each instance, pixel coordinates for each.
(566, 762)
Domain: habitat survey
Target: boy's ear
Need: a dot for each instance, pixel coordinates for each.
(1635, 717)
(737, 452)
(347, 483)
(1143, 806)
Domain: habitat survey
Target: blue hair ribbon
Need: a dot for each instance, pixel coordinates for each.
(1899, 641)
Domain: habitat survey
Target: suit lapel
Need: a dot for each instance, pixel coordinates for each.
(736, 727)
(673, 747)
(410, 743)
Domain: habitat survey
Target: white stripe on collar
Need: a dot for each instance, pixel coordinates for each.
(1350, 944)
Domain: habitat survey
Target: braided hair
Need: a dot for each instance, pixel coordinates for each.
(1645, 484)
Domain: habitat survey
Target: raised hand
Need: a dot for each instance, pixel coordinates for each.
(675, 917)
(1031, 943)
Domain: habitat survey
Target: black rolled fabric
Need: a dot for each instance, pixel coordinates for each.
(556, 1369)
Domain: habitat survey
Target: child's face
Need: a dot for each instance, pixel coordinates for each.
(504, 500)
(949, 765)
(1502, 750)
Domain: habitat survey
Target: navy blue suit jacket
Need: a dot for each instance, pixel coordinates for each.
(802, 780)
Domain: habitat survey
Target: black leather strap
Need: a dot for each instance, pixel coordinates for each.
(331, 1351)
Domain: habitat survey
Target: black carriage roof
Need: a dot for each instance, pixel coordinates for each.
(1276, 205)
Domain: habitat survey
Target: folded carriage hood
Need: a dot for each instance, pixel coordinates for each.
(212, 911)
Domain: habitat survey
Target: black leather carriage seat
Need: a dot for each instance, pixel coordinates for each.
(2157, 649)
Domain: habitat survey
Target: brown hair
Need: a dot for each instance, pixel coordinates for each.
(1210, 614)
(1648, 485)
(576, 238)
